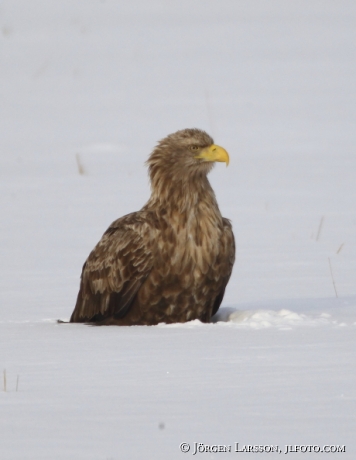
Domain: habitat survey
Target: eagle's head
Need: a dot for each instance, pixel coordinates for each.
(185, 153)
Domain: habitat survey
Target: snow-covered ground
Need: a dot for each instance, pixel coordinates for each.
(86, 90)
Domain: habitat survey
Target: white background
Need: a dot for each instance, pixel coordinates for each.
(95, 84)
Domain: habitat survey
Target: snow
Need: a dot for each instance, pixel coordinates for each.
(87, 88)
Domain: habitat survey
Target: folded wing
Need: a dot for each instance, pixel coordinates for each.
(115, 270)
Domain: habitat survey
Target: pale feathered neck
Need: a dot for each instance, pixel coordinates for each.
(172, 192)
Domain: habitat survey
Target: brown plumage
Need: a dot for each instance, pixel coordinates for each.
(171, 261)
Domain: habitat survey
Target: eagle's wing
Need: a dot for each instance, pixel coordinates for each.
(115, 269)
(226, 261)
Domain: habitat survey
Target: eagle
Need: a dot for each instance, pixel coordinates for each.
(170, 262)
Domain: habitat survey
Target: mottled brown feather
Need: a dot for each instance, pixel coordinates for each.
(169, 262)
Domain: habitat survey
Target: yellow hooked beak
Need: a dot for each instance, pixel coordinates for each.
(214, 153)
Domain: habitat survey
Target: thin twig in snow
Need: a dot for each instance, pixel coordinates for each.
(339, 250)
(320, 228)
(210, 114)
(332, 277)
(81, 169)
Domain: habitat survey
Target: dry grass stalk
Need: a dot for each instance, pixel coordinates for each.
(81, 169)
(339, 250)
(332, 277)
(210, 114)
(320, 228)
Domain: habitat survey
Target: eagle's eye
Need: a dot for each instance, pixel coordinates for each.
(194, 147)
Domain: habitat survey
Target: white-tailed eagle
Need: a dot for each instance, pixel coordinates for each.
(171, 261)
